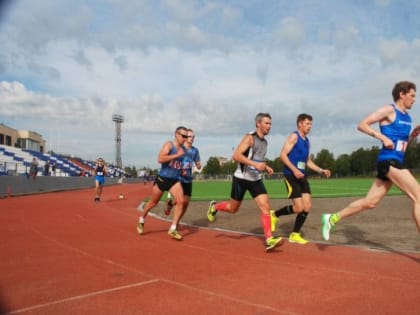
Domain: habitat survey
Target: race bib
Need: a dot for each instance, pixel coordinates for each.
(401, 146)
(301, 165)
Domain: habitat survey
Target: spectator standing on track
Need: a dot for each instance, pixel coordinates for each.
(191, 158)
(33, 170)
(250, 156)
(296, 158)
(99, 172)
(394, 133)
(170, 157)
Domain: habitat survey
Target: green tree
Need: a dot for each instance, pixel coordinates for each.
(228, 168)
(363, 162)
(276, 165)
(212, 166)
(325, 159)
(412, 155)
(342, 165)
(130, 171)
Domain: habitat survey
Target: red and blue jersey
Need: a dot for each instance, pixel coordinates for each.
(172, 169)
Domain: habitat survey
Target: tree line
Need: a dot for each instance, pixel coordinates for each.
(361, 162)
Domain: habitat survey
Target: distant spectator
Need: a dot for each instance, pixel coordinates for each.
(53, 169)
(47, 169)
(99, 171)
(33, 170)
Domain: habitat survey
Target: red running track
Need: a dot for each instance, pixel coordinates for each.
(63, 254)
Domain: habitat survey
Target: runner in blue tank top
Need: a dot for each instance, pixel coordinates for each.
(99, 172)
(295, 157)
(394, 133)
(191, 158)
(170, 156)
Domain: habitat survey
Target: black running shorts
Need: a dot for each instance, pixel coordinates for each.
(383, 168)
(296, 187)
(165, 184)
(240, 186)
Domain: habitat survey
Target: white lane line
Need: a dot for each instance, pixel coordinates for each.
(83, 296)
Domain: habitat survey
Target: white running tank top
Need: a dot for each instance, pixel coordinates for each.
(256, 153)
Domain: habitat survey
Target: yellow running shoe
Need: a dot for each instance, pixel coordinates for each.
(211, 212)
(271, 242)
(274, 220)
(175, 234)
(297, 238)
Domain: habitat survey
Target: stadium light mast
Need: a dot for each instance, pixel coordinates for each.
(118, 119)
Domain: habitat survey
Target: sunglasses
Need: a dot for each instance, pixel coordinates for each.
(182, 135)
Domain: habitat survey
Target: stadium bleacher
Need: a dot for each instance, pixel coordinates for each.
(16, 161)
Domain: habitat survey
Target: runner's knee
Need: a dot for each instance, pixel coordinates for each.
(371, 204)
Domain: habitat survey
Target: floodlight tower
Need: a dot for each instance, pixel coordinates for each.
(118, 119)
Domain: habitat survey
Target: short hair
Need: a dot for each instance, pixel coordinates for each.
(302, 117)
(180, 128)
(402, 87)
(261, 116)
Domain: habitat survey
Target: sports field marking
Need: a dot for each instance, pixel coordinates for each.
(156, 278)
(328, 243)
(321, 270)
(227, 297)
(84, 296)
(129, 286)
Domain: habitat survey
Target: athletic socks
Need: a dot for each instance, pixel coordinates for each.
(266, 223)
(334, 218)
(284, 211)
(300, 219)
(221, 206)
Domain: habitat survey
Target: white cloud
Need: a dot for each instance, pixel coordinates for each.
(291, 32)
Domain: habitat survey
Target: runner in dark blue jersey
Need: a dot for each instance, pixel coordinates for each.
(99, 172)
(190, 159)
(395, 135)
(296, 158)
(170, 156)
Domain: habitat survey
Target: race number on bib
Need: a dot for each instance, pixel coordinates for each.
(401, 146)
(301, 165)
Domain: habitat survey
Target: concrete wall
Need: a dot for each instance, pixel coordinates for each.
(20, 185)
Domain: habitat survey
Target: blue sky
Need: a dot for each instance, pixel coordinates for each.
(67, 66)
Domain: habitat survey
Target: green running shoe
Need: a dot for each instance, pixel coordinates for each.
(327, 226)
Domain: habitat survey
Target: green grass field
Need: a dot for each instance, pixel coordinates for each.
(321, 188)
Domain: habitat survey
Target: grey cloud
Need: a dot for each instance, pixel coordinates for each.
(80, 57)
(121, 62)
(262, 72)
